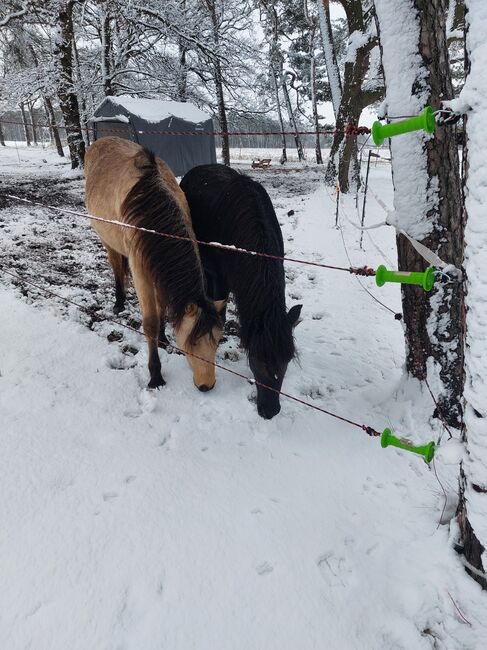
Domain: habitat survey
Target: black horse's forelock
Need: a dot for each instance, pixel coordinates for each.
(270, 339)
(174, 265)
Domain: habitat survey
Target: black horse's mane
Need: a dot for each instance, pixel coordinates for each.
(174, 265)
(247, 218)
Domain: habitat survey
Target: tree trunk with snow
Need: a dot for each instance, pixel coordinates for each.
(24, 122)
(427, 193)
(51, 118)
(33, 123)
(283, 158)
(275, 59)
(218, 81)
(331, 63)
(68, 100)
(182, 79)
(343, 155)
(316, 123)
(2, 137)
(292, 119)
(472, 511)
(106, 49)
(222, 113)
(313, 27)
(182, 89)
(83, 113)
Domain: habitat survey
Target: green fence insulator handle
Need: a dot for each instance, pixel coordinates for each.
(425, 279)
(427, 451)
(425, 120)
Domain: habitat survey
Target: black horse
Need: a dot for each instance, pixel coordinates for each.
(231, 208)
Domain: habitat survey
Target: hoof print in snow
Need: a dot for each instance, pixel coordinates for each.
(264, 568)
(114, 336)
(129, 479)
(312, 391)
(231, 355)
(130, 350)
(108, 496)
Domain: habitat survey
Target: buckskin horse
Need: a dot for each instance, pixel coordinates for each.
(231, 208)
(129, 184)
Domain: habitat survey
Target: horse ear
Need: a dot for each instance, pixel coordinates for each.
(191, 309)
(293, 315)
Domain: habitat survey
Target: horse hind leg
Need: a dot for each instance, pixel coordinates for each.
(150, 321)
(119, 265)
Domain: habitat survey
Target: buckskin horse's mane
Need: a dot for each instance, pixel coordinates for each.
(174, 265)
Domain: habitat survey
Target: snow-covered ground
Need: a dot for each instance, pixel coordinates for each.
(174, 519)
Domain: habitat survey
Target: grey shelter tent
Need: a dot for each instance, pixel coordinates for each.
(140, 120)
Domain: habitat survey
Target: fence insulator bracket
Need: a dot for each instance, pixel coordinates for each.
(427, 451)
(425, 279)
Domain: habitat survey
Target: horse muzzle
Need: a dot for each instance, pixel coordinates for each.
(204, 388)
(268, 410)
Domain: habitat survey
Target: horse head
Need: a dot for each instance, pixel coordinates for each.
(198, 335)
(269, 370)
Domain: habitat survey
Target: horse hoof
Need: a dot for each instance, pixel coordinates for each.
(118, 307)
(156, 383)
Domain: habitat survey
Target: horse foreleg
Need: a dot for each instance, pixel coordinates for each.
(150, 321)
(119, 265)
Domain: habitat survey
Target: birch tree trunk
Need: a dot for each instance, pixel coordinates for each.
(331, 63)
(472, 511)
(68, 100)
(427, 193)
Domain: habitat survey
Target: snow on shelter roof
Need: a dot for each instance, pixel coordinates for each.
(156, 110)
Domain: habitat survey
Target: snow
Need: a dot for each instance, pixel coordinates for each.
(356, 40)
(155, 110)
(474, 96)
(114, 118)
(136, 519)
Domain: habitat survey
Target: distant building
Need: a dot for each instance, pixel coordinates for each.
(141, 120)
